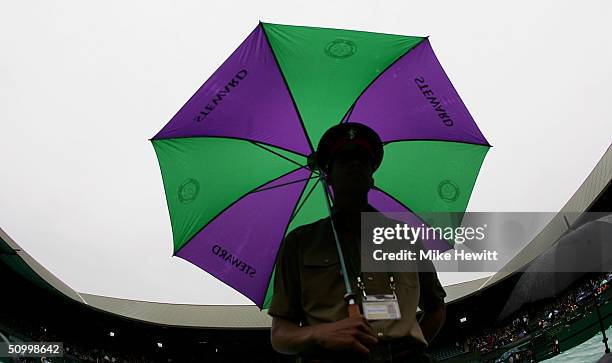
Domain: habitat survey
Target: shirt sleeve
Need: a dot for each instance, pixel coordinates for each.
(286, 300)
(432, 293)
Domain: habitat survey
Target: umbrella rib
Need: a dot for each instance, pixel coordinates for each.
(278, 154)
(304, 201)
(283, 184)
(259, 143)
(438, 140)
(348, 115)
(293, 213)
(350, 110)
(231, 205)
(297, 111)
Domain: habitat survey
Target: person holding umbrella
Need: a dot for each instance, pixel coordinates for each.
(310, 316)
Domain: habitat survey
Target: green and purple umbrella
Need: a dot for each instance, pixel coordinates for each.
(234, 159)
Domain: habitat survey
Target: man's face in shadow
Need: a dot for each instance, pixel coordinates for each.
(350, 171)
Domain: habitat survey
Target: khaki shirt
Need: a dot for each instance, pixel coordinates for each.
(309, 289)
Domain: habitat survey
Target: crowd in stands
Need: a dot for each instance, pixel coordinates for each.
(492, 339)
(538, 317)
(73, 352)
(93, 345)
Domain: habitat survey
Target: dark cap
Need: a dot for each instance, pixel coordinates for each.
(350, 133)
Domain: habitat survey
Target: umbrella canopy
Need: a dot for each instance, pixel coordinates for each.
(234, 158)
(588, 248)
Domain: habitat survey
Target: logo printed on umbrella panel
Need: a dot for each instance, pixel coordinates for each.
(433, 100)
(233, 260)
(340, 48)
(448, 191)
(222, 93)
(188, 190)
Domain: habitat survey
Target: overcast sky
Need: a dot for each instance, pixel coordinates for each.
(84, 84)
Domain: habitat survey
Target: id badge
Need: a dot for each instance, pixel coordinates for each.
(381, 307)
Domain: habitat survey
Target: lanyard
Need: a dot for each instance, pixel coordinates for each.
(352, 269)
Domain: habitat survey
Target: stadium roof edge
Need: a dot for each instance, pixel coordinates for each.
(216, 316)
(184, 315)
(14, 256)
(592, 187)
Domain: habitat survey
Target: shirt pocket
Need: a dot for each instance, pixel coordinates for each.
(407, 280)
(320, 276)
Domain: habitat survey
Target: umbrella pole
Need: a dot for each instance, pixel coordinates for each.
(349, 297)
